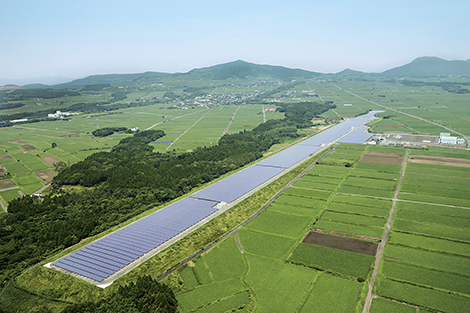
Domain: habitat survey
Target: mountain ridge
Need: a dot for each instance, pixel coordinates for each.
(419, 67)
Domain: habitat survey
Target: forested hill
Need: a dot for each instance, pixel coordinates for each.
(125, 182)
(242, 69)
(430, 67)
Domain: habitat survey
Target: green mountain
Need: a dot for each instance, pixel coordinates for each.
(430, 67)
(242, 69)
(98, 79)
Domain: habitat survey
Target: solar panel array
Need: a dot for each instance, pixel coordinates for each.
(357, 136)
(104, 257)
(238, 184)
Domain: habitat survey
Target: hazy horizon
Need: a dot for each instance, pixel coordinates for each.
(79, 39)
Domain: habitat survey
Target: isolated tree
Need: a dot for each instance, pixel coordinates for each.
(54, 145)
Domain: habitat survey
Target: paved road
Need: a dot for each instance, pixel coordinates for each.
(380, 250)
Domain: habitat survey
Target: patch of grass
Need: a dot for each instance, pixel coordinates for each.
(429, 298)
(427, 243)
(333, 260)
(280, 224)
(403, 272)
(380, 305)
(429, 259)
(332, 294)
(263, 244)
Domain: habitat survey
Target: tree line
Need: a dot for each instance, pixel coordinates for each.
(125, 182)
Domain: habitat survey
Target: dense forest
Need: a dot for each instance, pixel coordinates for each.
(125, 182)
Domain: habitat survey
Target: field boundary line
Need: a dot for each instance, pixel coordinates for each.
(410, 115)
(378, 257)
(175, 118)
(231, 120)
(189, 128)
(233, 231)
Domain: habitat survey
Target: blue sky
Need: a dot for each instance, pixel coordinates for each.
(80, 38)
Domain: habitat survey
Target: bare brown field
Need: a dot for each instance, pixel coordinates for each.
(445, 159)
(6, 183)
(341, 243)
(5, 157)
(387, 154)
(334, 232)
(434, 162)
(46, 176)
(18, 141)
(381, 159)
(50, 160)
(28, 147)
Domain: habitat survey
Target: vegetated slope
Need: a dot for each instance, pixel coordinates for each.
(126, 181)
(98, 79)
(242, 69)
(429, 67)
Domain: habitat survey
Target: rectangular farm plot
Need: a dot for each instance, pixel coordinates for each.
(50, 160)
(9, 195)
(428, 259)
(301, 192)
(263, 244)
(431, 230)
(31, 161)
(202, 296)
(420, 276)
(293, 210)
(428, 243)
(435, 209)
(332, 294)
(280, 224)
(304, 183)
(284, 289)
(329, 171)
(437, 170)
(341, 243)
(338, 261)
(371, 183)
(343, 229)
(436, 160)
(429, 198)
(225, 261)
(425, 297)
(354, 219)
(46, 176)
(363, 201)
(301, 201)
(357, 172)
(436, 189)
(358, 209)
(353, 190)
(382, 157)
(380, 167)
(6, 183)
(380, 305)
(16, 168)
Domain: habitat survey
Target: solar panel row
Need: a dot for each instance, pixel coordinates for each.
(108, 255)
(357, 136)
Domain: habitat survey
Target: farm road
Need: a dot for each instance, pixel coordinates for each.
(246, 221)
(410, 115)
(231, 120)
(188, 129)
(380, 250)
(175, 118)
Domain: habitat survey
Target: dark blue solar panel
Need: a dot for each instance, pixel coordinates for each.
(290, 156)
(104, 257)
(79, 271)
(100, 259)
(357, 136)
(235, 186)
